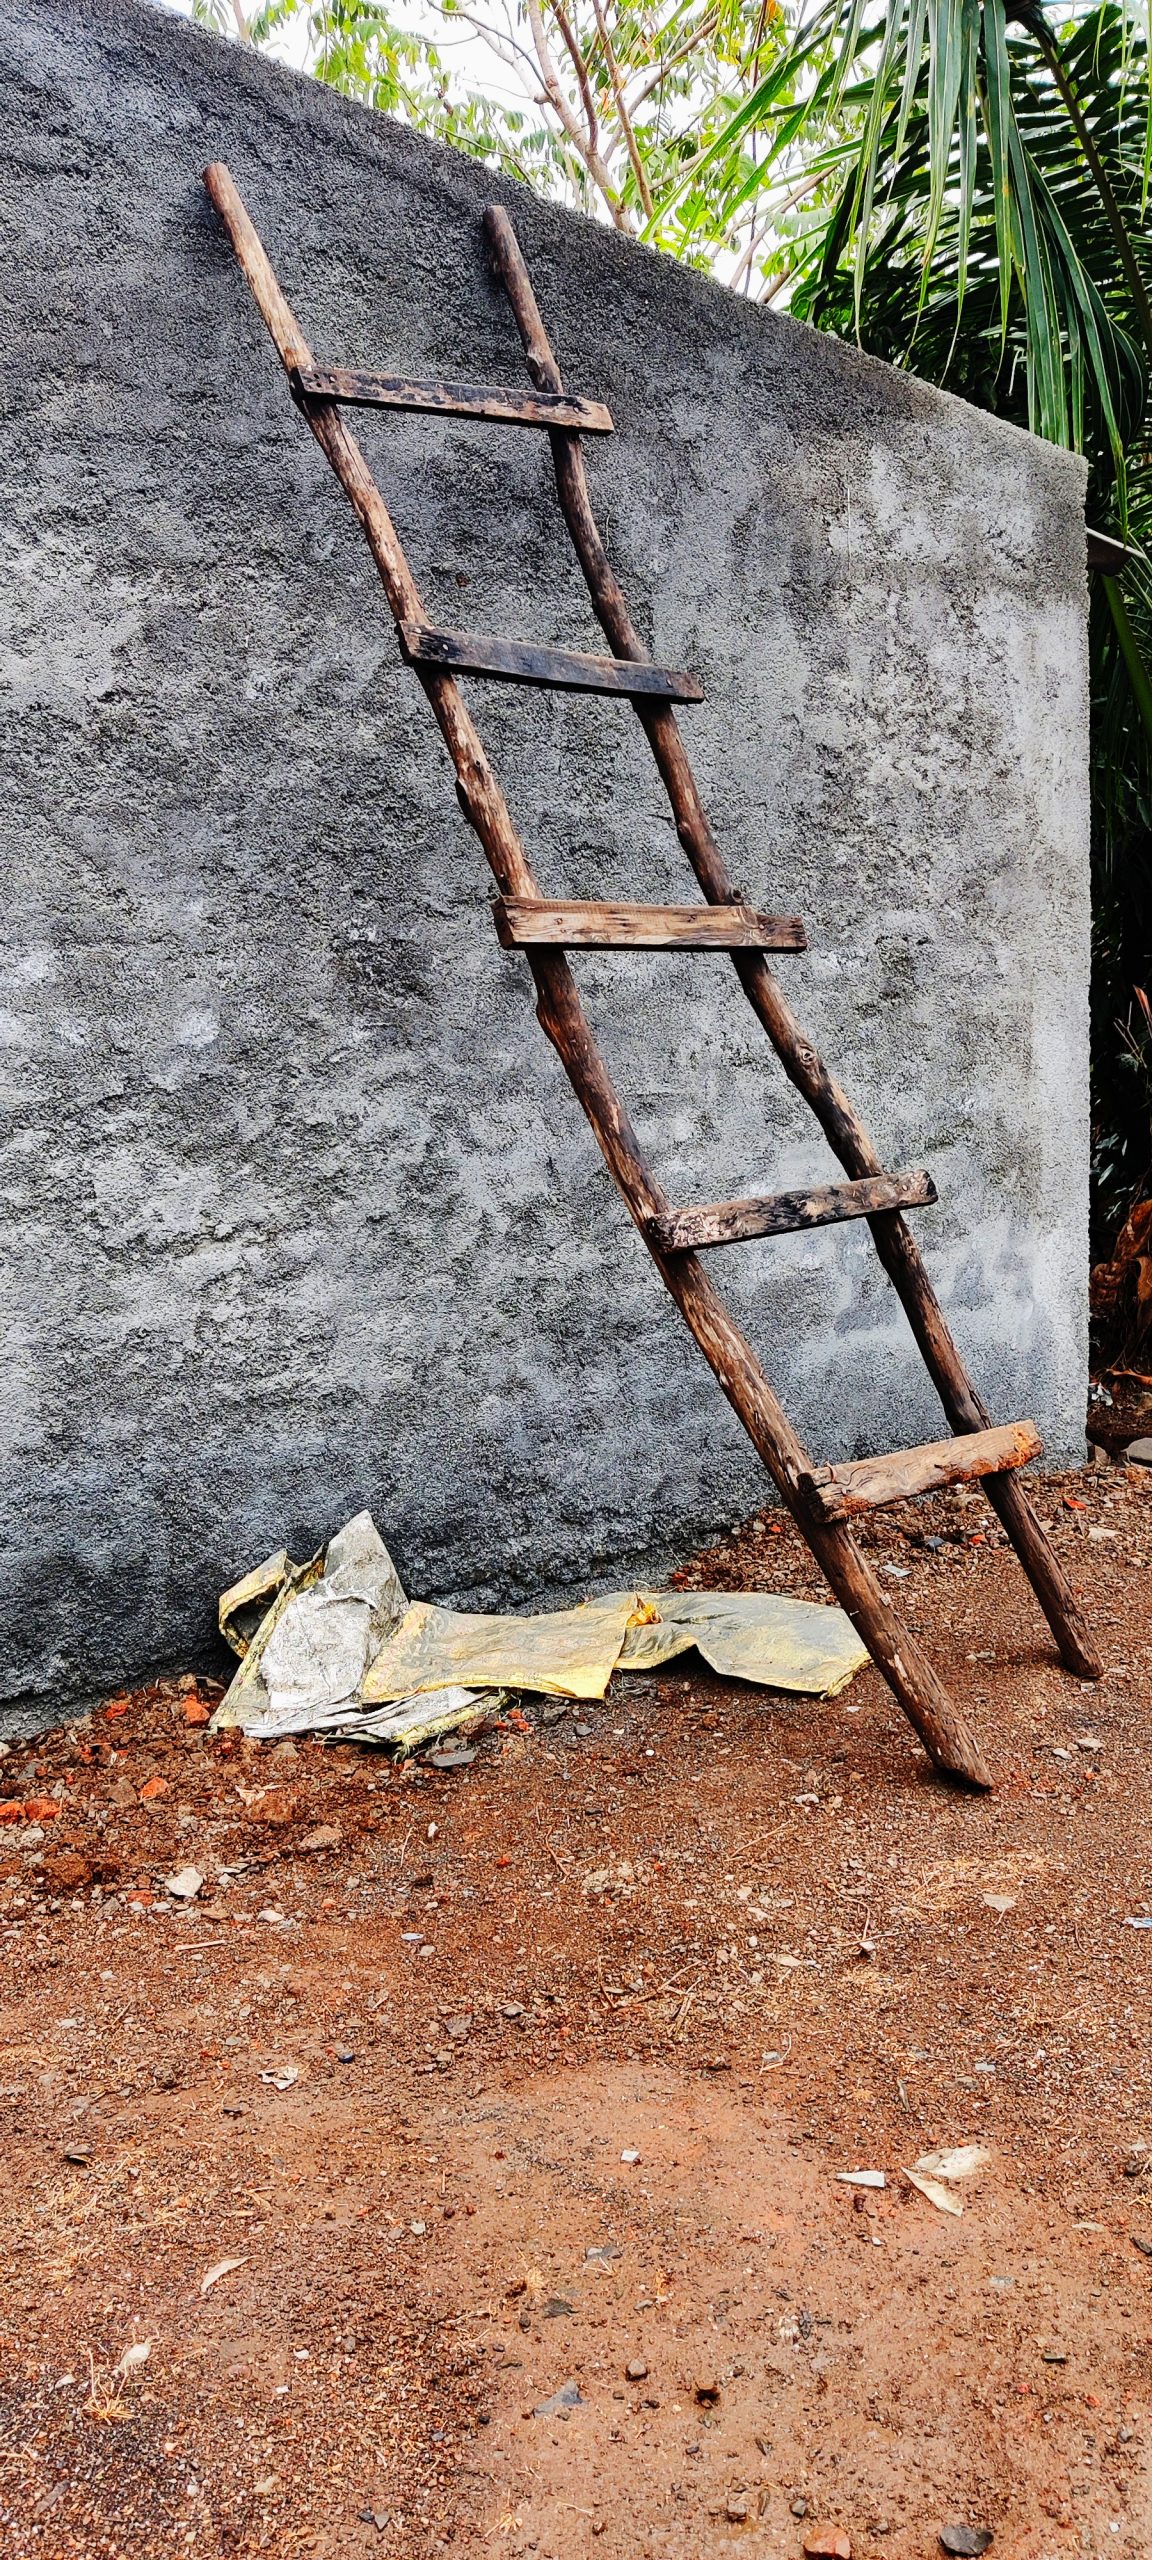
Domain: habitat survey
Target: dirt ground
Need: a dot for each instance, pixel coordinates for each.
(540, 2077)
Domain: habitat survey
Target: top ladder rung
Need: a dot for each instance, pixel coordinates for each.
(782, 1213)
(473, 653)
(866, 1484)
(505, 408)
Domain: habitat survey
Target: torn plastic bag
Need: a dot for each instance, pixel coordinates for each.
(327, 1621)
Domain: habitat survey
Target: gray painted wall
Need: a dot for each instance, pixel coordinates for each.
(298, 1211)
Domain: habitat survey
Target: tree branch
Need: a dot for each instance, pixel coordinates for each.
(638, 171)
(591, 157)
(580, 68)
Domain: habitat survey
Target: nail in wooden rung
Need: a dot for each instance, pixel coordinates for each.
(784, 1212)
(586, 924)
(866, 1484)
(470, 653)
(353, 389)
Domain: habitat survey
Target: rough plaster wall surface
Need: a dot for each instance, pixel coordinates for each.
(299, 1213)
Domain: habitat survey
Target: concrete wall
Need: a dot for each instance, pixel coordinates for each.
(298, 1211)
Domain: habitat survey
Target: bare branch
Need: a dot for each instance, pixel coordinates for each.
(581, 70)
(591, 157)
(638, 171)
(499, 42)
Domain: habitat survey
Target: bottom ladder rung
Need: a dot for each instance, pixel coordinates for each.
(866, 1484)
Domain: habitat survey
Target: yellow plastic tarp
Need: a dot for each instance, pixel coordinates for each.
(762, 1636)
(568, 1653)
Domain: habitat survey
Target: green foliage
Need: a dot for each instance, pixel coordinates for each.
(606, 104)
(990, 232)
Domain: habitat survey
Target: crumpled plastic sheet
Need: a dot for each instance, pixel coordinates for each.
(762, 1636)
(337, 1648)
(326, 1623)
(567, 1653)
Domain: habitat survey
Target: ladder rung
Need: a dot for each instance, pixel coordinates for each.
(592, 924)
(868, 1483)
(357, 390)
(471, 653)
(782, 1212)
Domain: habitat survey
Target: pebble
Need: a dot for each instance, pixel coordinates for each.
(738, 2510)
(707, 2387)
(325, 1836)
(827, 2544)
(637, 2371)
(185, 1886)
(567, 2397)
(1139, 1452)
(965, 2541)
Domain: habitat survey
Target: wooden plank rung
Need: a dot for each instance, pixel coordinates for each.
(472, 653)
(351, 388)
(785, 1212)
(866, 1484)
(593, 924)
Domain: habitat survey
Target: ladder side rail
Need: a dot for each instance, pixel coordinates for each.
(909, 1674)
(846, 1134)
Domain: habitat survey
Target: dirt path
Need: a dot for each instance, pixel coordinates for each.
(392, 2059)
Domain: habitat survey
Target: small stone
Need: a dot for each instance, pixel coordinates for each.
(965, 2541)
(637, 2371)
(630, 2158)
(79, 2155)
(826, 2543)
(345, 2053)
(737, 2510)
(457, 2028)
(185, 1886)
(327, 1835)
(799, 2507)
(568, 2397)
(1139, 1453)
(706, 2387)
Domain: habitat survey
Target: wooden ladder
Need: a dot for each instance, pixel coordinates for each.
(822, 1500)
